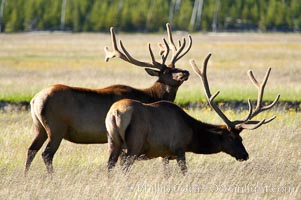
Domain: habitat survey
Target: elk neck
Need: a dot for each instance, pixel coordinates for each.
(207, 138)
(161, 91)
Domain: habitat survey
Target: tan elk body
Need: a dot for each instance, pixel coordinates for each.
(78, 114)
(162, 129)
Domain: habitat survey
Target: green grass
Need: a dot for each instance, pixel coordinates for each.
(272, 172)
(32, 61)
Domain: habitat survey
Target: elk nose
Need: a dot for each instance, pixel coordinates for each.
(243, 157)
(246, 156)
(185, 75)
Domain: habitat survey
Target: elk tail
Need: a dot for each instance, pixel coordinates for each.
(113, 128)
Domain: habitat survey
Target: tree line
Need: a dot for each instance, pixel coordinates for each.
(150, 15)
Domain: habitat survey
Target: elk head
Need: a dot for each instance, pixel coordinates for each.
(167, 73)
(232, 141)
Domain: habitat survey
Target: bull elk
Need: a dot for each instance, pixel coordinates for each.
(162, 129)
(78, 114)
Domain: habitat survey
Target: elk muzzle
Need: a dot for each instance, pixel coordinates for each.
(243, 157)
(183, 75)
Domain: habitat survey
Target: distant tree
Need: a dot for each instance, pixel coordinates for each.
(182, 16)
(14, 18)
(98, 15)
(113, 13)
(295, 14)
(157, 15)
(2, 5)
(51, 15)
(150, 15)
(139, 14)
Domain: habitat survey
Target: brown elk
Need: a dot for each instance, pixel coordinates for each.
(162, 129)
(78, 114)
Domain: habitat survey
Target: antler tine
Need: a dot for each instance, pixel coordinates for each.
(115, 52)
(245, 123)
(170, 40)
(203, 75)
(140, 63)
(187, 49)
(176, 55)
(259, 108)
(165, 53)
(126, 56)
(248, 124)
(251, 125)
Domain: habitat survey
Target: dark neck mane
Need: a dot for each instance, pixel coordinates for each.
(161, 91)
(206, 138)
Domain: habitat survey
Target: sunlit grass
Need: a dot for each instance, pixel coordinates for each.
(32, 61)
(273, 170)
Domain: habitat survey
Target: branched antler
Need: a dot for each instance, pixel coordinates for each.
(164, 51)
(126, 56)
(246, 123)
(177, 53)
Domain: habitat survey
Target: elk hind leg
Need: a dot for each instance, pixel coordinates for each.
(37, 143)
(49, 152)
(115, 150)
(134, 146)
(56, 134)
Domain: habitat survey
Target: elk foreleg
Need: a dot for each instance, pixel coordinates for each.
(181, 160)
(166, 170)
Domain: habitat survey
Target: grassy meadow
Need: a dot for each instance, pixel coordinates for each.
(272, 172)
(32, 61)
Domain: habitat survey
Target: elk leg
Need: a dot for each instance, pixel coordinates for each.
(181, 160)
(35, 146)
(134, 145)
(122, 157)
(166, 171)
(114, 154)
(49, 152)
(128, 163)
(134, 150)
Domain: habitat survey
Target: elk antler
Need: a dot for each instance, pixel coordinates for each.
(246, 123)
(177, 53)
(127, 57)
(164, 51)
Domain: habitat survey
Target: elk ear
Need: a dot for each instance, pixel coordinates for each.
(152, 72)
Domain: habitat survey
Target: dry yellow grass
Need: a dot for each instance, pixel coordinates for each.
(273, 170)
(32, 61)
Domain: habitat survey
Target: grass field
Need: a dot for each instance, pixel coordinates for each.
(32, 61)
(272, 172)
